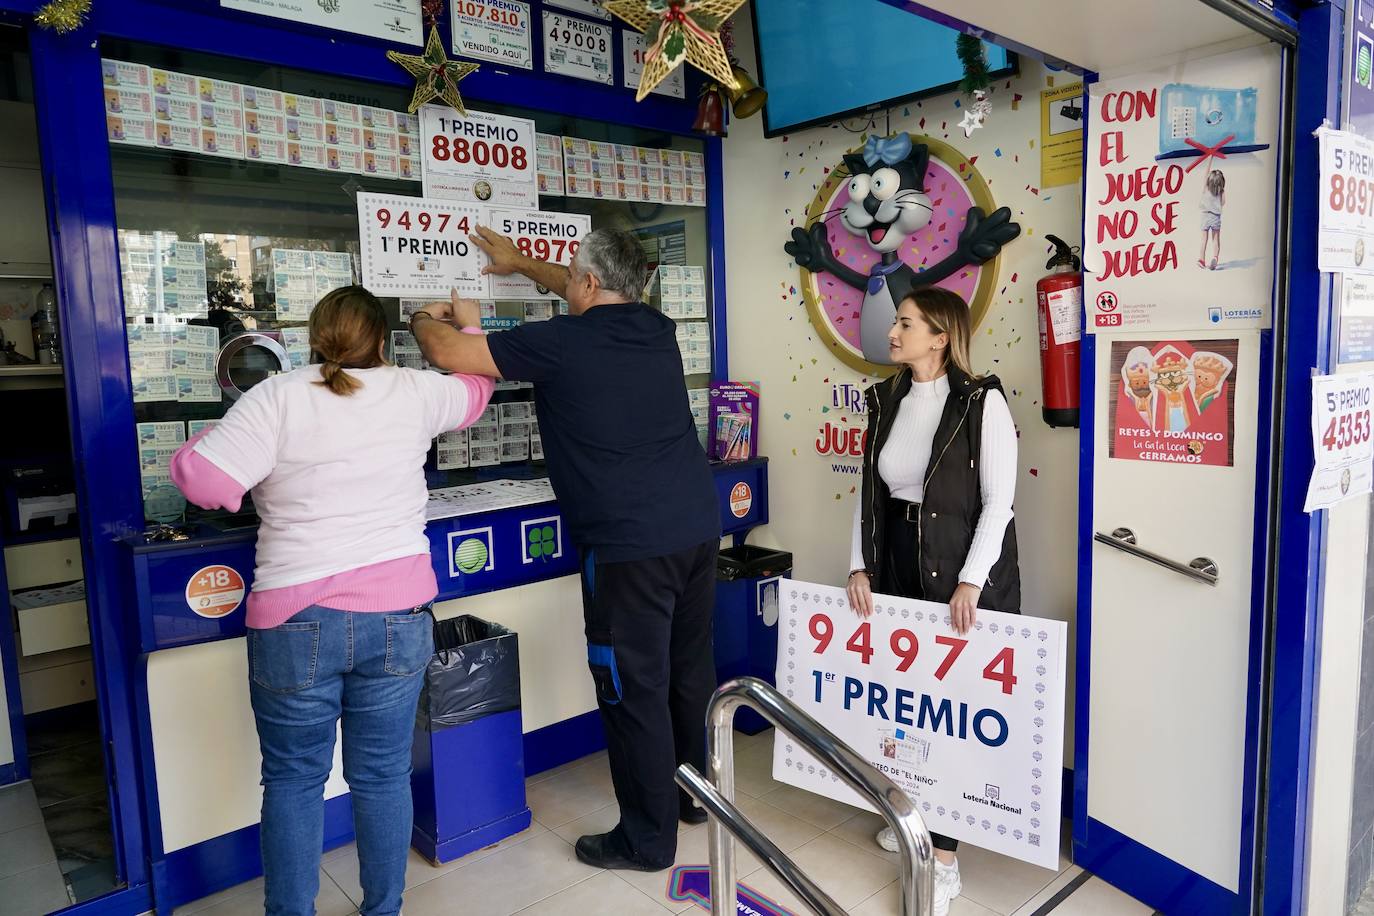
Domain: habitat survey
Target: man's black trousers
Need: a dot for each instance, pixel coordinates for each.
(648, 625)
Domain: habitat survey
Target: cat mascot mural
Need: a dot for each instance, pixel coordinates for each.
(887, 203)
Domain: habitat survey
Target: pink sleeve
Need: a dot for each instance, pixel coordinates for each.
(201, 482)
(479, 389)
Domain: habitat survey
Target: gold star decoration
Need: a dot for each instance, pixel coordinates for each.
(436, 77)
(678, 30)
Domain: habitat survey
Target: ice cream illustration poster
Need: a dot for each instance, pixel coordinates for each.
(1172, 401)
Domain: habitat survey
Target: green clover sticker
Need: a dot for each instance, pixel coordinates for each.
(541, 544)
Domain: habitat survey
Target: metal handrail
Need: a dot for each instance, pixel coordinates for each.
(716, 793)
(1123, 539)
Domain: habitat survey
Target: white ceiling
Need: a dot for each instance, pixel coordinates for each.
(1098, 35)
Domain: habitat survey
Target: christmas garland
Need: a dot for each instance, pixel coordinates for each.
(63, 16)
(970, 51)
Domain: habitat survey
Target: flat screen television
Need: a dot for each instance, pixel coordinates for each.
(821, 61)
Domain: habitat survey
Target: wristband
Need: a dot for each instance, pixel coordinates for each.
(425, 314)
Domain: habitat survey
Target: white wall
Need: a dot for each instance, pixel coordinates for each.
(554, 682)
(768, 185)
(205, 746)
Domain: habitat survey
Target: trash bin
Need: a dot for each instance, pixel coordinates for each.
(746, 620)
(468, 780)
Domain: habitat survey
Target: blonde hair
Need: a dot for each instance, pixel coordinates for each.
(1216, 182)
(347, 328)
(947, 313)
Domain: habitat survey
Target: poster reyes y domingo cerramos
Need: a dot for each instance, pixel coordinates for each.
(1173, 401)
(971, 727)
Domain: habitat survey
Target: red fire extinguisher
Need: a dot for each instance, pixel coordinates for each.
(1059, 300)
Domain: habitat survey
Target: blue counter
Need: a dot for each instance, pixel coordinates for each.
(471, 554)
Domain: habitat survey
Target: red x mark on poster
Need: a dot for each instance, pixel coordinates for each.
(1207, 151)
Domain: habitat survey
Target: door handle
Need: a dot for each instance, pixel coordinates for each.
(1200, 569)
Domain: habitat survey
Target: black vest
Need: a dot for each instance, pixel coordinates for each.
(953, 502)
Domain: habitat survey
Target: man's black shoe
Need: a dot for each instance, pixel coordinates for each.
(689, 813)
(606, 850)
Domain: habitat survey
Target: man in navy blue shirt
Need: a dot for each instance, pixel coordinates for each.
(640, 503)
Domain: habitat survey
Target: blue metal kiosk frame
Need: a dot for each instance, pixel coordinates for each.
(128, 621)
(80, 201)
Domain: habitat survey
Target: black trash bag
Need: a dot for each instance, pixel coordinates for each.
(475, 672)
(750, 562)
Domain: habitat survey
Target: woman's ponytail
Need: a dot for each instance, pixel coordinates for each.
(333, 377)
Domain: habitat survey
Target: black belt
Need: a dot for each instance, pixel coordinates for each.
(907, 510)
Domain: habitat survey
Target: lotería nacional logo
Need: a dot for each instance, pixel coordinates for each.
(470, 552)
(471, 555)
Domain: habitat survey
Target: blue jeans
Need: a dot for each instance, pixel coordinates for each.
(305, 674)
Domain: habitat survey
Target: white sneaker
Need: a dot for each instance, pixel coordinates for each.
(947, 886)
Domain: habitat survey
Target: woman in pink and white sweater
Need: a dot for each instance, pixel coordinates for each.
(338, 618)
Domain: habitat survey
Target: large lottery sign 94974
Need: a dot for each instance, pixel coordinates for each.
(971, 727)
(418, 247)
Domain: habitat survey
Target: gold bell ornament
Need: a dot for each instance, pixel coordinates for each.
(747, 98)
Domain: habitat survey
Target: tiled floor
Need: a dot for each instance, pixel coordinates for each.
(537, 873)
(68, 772)
(31, 882)
(55, 843)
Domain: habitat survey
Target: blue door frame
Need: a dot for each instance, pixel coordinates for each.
(80, 199)
(1295, 644)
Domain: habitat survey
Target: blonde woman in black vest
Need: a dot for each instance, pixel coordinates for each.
(934, 517)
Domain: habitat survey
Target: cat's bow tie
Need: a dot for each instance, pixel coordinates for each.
(888, 150)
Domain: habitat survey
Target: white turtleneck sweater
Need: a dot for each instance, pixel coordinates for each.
(905, 458)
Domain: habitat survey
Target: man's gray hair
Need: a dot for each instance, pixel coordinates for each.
(617, 260)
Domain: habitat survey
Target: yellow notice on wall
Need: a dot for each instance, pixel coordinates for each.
(1061, 135)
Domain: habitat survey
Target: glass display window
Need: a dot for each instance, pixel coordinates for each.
(235, 187)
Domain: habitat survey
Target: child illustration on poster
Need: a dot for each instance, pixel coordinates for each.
(1173, 401)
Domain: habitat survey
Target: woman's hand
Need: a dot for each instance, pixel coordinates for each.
(861, 594)
(467, 313)
(963, 607)
(441, 310)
